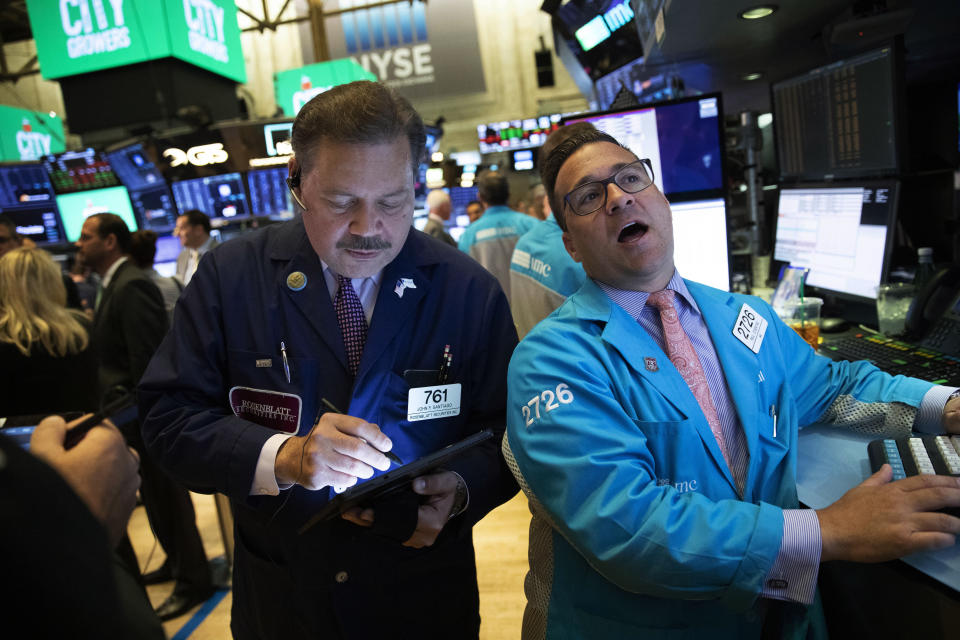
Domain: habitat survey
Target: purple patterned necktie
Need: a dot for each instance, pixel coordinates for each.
(353, 323)
(684, 358)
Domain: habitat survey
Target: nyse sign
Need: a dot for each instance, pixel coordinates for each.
(199, 156)
(422, 49)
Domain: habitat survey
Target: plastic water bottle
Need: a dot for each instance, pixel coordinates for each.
(925, 267)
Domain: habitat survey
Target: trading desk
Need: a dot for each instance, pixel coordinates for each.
(885, 600)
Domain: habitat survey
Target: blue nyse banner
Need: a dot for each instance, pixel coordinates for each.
(421, 49)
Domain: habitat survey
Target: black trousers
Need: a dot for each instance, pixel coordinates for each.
(172, 518)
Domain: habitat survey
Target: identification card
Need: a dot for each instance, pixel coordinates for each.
(750, 328)
(430, 403)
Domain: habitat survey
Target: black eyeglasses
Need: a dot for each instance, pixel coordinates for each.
(590, 197)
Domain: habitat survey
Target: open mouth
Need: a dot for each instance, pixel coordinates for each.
(632, 231)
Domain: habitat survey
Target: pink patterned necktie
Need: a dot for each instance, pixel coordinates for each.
(685, 359)
(352, 321)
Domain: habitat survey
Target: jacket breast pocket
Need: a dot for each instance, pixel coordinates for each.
(258, 390)
(412, 440)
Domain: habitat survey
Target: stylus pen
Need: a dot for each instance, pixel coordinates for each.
(75, 434)
(390, 454)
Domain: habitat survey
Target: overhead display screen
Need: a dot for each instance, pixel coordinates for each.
(81, 36)
(74, 171)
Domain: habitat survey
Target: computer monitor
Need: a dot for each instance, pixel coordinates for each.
(269, 195)
(684, 141)
(149, 194)
(81, 170)
(840, 120)
(26, 197)
(77, 207)
(508, 135)
(840, 232)
(700, 250)
(522, 160)
(221, 197)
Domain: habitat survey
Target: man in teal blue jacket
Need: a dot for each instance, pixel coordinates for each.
(662, 511)
(491, 239)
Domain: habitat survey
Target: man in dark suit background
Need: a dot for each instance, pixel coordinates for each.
(129, 323)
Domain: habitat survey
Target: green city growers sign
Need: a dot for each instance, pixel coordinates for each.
(28, 135)
(295, 87)
(80, 36)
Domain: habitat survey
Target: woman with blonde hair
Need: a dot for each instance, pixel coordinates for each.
(46, 361)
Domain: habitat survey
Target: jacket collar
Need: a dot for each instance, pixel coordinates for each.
(291, 246)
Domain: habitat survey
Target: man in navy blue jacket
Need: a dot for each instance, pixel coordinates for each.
(346, 306)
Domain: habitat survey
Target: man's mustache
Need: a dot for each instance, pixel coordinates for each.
(363, 243)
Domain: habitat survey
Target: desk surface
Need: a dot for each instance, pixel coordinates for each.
(831, 461)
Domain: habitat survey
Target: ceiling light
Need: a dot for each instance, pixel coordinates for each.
(757, 12)
(755, 75)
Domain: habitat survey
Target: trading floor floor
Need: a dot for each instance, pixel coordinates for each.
(500, 540)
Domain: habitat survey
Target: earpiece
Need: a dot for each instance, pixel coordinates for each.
(293, 183)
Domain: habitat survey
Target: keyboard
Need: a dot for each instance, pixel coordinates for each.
(918, 455)
(897, 358)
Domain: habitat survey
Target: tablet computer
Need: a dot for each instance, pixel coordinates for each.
(393, 480)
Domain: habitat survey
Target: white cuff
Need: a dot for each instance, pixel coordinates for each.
(930, 414)
(265, 478)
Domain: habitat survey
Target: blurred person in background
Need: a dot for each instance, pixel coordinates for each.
(193, 229)
(439, 206)
(48, 364)
(474, 210)
(143, 249)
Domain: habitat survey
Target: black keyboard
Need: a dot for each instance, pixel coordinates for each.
(897, 358)
(918, 455)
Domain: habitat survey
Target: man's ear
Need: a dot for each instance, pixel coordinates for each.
(571, 246)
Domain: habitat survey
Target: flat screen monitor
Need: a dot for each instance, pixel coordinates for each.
(840, 232)
(26, 197)
(460, 197)
(152, 202)
(269, 195)
(222, 197)
(602, 34)
(134, 167)
(839, 120)
(700, 241)
(168, 248)
(682, 138)
(77, 207)
(81, 170)
(528, 133)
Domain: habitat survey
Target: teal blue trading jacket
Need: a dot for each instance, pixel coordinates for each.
(638, 530)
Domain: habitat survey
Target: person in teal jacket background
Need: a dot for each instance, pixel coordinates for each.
(641, 527)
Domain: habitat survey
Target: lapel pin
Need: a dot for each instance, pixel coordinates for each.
(402, 285)
(651, 364)
(296, 281)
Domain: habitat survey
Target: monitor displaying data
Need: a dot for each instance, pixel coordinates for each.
(26, 197)
(682, 138)
(839, 120)
(81, 170)
(152, 202)
(269, 195)
(840, 232)
(222, 197)
(527, 133)
(77, 207)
